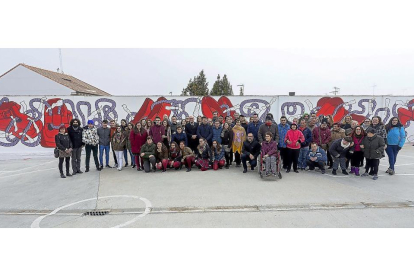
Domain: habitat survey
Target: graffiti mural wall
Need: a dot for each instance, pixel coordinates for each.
(30, 124)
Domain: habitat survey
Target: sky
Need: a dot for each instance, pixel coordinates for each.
(158, 71)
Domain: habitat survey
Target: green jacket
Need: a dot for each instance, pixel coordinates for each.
(373, 147)
(148, 150)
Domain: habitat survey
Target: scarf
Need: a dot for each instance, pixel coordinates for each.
(344, 146)
(201, 149)
(118, 137)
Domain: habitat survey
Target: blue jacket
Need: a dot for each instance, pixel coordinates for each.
(254, 128)
(396, 136)
(319, 154)
(308, 137)
(206, 132)
(178, 137)
(217, 134)
(217, 156)
(282, 134)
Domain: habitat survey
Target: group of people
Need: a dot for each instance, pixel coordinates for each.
(214, 143)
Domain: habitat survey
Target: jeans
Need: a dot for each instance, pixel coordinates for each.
(339, 161)
(126, 156)
(119, 157)
(245, 158)
(132, 157)
(76, 159)
(392, 151)
(101, 150)
(302, 157)
(94, 149)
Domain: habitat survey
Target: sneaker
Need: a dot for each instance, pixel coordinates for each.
(365, 174)
(68, 174)
(375, 177)
(323, 171)
(287, 171)
(80, 171)
(296, 171)
(345, 172)
(62, 175)
(87, 170)
(391, 172)
(188, 170)
(116, 165)
(107, 166)
(245, 171)
(388, 170)
(334, 172)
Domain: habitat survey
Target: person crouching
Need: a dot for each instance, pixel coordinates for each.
(203, 155)
(161, 155)
(338, 150)
(217, 155)
(187, 156)
(174, 160)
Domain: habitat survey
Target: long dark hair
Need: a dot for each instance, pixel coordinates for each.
(354, 132)
(390, 125)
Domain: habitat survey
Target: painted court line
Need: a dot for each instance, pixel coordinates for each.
(148, 208)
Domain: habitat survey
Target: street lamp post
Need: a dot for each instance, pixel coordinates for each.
(242, 89)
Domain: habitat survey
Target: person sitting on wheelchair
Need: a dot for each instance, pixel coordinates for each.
(269, 154)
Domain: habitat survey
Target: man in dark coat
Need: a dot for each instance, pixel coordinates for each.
(75, 135)
(250, 152)
(338, 150)
(205, 131)
(191, 132)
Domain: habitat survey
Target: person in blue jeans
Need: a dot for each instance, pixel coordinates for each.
(304, 147)
(395, 141)
(104, 133)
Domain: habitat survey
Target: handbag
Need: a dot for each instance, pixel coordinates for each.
(56, 152)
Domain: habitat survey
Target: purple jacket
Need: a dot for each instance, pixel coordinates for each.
(269, 148)
(156, 132)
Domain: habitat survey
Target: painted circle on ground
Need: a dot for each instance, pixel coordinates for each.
(148, 206)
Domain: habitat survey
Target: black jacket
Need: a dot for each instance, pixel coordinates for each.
(227, 137)
(205, 154)
(251, 148)
(63, 141)
(191, 130)
(373, 147)
(336, 149)
(76, 137)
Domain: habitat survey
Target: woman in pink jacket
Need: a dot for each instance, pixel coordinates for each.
(293, 139)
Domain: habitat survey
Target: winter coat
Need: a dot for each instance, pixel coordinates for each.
(148, 150)
(217, 156)
(76, 136)
(127, 133)
(294, 136)
(157, 131)
(227, 137)
(335, 135)
(137, 140)
(118, 145)
(205, 154)
(319, 154)
(396, 136)
(104, 136)
(321, 136)
(381, 132)
(63, 141)
(206, 132)
(269, 148)
(283, 129)
(90, 136)
(336, 149)
(176, 154)
(307, 133)
(174, 128)
(164, 154)
(254, 129)
(186, 152)
(373, 147)
(191, 130)
(264, 128)
(251, 148)
(178, 137)
(217, 134)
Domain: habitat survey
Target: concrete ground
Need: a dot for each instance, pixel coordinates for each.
(33, 195)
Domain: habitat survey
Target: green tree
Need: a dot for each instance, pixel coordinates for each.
(197, 86)
(241, 91)
(226, 87)
(216, 90)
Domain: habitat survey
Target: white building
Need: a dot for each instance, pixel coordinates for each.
(28, 80)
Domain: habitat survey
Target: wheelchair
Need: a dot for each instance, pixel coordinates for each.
(262, 166)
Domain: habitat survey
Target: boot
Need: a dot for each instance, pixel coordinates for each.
(98, 168)
(87, 169)
(62, 175)
(68, 173)
(345, 172)
(126, 164)
(356, 171)
(352, 170)
(334, 172)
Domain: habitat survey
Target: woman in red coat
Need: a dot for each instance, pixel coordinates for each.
(293, 139)
(138, 137)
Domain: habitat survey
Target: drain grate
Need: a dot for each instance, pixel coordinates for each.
(96, 213)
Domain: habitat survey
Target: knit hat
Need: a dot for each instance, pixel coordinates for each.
(371, 130)
(269, 117)
(348, 139)
(90, 122)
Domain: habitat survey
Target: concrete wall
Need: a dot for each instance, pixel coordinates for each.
(28, 124)
(22, 81)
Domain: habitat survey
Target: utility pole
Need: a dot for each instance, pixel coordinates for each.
(336, 91)
(241, 89)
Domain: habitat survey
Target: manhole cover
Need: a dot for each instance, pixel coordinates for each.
(95, 213)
